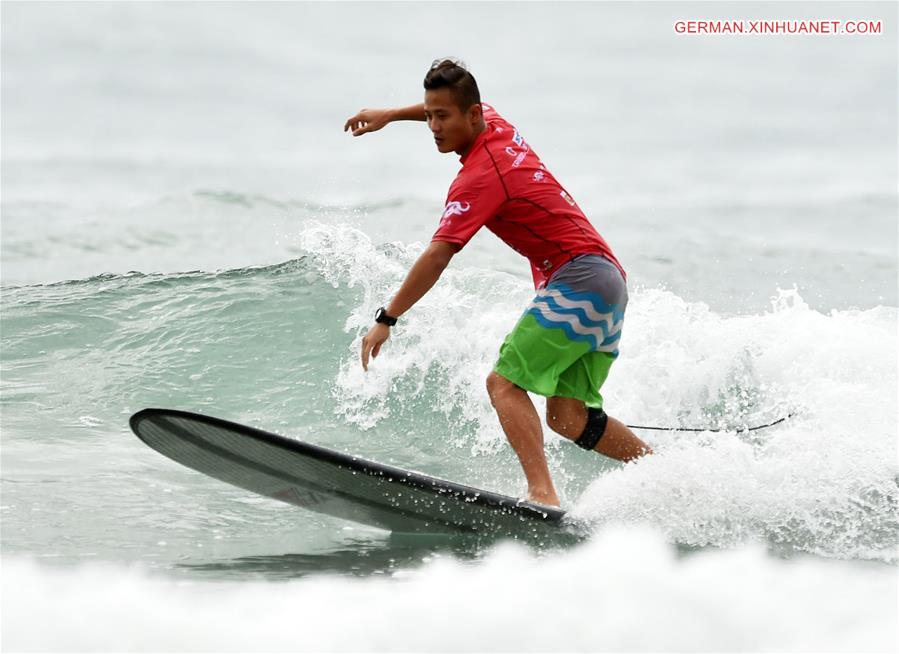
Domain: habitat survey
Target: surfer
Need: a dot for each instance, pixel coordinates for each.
(565, 342)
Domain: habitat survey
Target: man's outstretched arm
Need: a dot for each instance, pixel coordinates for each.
(371, 120)
(421, 277)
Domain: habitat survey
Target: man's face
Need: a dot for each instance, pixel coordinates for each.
(453, 130)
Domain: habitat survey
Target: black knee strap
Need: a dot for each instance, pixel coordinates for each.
(595, 428)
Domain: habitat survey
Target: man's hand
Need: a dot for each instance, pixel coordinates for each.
(367, 120)
(371, 120)
(372, 342)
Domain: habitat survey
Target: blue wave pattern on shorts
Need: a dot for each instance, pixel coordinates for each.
(582, 316)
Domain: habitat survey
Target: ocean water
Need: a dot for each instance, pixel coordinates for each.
(186, 225)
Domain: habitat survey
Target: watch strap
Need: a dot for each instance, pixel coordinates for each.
(382, 317)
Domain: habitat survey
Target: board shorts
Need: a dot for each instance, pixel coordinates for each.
(566, 340)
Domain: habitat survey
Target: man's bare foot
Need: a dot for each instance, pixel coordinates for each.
(546, 498)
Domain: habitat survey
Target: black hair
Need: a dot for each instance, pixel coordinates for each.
(453, 75)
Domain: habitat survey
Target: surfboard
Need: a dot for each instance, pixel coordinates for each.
(334, 483)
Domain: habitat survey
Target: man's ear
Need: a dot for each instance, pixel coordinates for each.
(475, 113)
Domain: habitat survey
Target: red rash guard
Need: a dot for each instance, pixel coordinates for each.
(503, 185)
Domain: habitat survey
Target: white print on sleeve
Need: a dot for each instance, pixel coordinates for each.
(454, 208)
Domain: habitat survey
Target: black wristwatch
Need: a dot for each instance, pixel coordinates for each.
(382, 317)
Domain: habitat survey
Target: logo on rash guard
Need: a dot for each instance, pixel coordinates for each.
(454, 208)
(519, 156)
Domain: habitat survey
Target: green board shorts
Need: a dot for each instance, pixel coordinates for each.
(566, 340)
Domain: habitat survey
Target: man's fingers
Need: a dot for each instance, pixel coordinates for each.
(356, 123)
(371, 345)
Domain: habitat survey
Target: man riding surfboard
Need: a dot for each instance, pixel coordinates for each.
(565, 342)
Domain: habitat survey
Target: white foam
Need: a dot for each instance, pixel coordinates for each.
(824, 482)
(624, 591)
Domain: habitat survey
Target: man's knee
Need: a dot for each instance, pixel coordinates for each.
(556, 422)
(497, 385)
(564, 416)
(494, 382)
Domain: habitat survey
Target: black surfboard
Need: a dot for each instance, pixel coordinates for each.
(334, 483)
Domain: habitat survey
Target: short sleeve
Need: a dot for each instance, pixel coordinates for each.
(473, 199)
